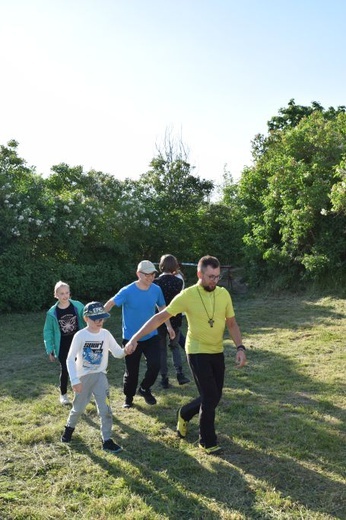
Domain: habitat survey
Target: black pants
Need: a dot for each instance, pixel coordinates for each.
(63, 352)
(150, 348)
(208, 371)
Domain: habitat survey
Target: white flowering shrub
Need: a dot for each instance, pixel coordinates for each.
(68, 226)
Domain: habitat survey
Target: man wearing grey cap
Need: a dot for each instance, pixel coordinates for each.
(139, 301)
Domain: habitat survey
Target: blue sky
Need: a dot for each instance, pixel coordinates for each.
(97, 83)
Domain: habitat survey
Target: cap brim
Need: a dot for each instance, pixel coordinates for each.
(103, 316)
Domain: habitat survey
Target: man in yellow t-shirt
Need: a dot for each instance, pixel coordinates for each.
(208, 309)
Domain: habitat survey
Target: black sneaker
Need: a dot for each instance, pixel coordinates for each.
(182, 379)
(164, 383)
(148, 396)
(110, 445)
(128, 402)
(66, 436)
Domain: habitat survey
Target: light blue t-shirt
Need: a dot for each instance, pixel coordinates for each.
(138, 306)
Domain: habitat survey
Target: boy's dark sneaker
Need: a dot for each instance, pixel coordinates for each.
(66, 436)
(128, 402)
(182, 379)
(211, 450)
(164, 383)
(148, 396)
(110, 445)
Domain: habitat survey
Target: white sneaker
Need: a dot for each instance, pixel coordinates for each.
(64, 399)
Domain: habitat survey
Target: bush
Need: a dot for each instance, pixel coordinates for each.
(27, 282)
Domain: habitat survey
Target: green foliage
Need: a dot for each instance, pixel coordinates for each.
(89, 228)
(98, 281)
(21, 201)
(22, 280)
(68, 226)
(27, 282)
(170, 197)
(284, 222)
(289, 200)
(221, 230)
(338, 192)
(290, 116)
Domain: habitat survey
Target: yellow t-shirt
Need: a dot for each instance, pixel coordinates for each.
(200, 306)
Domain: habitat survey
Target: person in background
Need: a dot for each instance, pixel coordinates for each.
(87, 364)
(171, 285)
(139, 301)
(182, 339)
(63, 320)
(208, 309)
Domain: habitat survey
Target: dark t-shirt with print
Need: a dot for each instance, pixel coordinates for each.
(171, 286)
(68, 323)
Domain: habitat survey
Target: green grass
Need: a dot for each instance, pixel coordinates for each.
(281, 423)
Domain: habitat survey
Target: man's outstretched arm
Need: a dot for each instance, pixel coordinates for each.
(149, 326)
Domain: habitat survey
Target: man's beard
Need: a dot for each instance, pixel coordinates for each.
(208, 289)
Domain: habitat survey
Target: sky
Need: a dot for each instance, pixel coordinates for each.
(99, 83)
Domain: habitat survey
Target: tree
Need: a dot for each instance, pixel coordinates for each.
(287, 197)
(170, 196)
(289, 117)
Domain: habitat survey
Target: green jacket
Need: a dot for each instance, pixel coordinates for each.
(51, 329)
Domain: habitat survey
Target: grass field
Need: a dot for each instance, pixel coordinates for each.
(281, 423)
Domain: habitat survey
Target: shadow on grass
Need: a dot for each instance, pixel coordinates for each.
(283, 433)
(291, 445)
(169, 477)
(296, 434)
(292, 480)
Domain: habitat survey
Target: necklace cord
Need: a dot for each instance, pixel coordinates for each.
(210, 318)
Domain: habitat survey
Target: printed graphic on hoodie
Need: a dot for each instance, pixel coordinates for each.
(92, 354)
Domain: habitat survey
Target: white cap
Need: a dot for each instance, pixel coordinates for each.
(146, 267)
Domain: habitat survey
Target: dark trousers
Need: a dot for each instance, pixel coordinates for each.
(150, 348)
(174, 347)
(208, 371)
(63, 352)
(182, 340)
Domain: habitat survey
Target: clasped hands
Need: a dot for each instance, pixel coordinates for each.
(130, 347)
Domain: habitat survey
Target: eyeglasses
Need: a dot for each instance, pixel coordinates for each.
(147, 275)
(213, 277)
